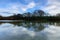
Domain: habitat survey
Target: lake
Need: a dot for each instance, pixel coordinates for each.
(29, 30)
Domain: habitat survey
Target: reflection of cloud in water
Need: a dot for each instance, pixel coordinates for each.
(9, 32)
(53, 32)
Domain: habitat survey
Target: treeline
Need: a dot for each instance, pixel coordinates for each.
(27, 15)
(37, 15)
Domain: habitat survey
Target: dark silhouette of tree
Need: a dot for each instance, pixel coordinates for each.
(28, 14)
(58, 14)
(24, 14)
(19, 15)
(38, 13)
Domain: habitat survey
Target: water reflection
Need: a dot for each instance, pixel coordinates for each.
(30, 31)
(53, 32)
(29, 25)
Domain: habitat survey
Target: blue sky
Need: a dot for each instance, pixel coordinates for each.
(10, 7)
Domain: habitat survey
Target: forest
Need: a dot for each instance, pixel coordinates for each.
(37, 15)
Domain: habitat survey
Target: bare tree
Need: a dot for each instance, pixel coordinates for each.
(39, 13)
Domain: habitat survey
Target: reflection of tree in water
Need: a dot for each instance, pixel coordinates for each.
(31, 26)
(1, 23)
(35, 26)
(57, 24)
(17, 23)
(51, 23)
(54, 23)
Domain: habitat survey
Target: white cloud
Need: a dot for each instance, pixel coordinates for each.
(30, 5)
(10, 10)
(15, 8)
(53, 7)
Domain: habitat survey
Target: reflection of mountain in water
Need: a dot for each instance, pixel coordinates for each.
(13, 32)
(29, 25)
(29, 31)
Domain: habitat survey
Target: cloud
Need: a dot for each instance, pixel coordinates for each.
(53, 7)
(12, 7)
(30, 5)
(10, 10)
(15, 8)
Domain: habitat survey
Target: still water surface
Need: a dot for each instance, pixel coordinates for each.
(30, 31)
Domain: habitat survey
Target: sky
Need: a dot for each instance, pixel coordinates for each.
(11, 7)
